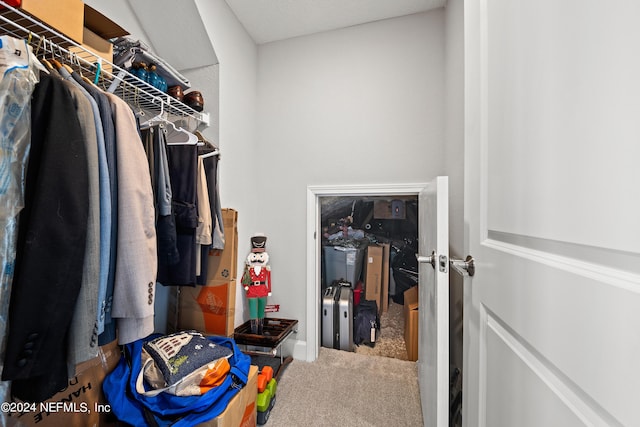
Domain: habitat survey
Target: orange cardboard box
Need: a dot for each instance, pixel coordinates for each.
(209, 309)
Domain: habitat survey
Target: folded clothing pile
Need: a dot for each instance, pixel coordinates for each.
(127, 51)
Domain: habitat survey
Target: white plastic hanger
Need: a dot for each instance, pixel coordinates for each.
(179, 136)
(158, 119)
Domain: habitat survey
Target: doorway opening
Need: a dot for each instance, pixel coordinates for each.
(316, 195)
(369, 245)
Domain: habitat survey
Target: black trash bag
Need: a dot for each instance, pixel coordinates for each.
(366, 325)
(405, 270)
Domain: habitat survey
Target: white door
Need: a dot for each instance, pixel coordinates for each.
(552, 206)
(433, 303)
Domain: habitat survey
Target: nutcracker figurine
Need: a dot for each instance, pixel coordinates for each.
(256, 281)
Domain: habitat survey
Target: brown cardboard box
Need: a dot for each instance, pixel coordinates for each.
(411, 322)
(64, 16)
(100, 25)
(99, 48)
(386, 249)
(82, 402)
(223, 265)
(241, 411)
(394, 209)
(373, 275)
(95, 34)
(209, 309)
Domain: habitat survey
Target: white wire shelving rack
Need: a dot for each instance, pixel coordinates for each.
(141, 96)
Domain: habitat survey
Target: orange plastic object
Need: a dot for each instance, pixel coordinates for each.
(268, 371)
(262, 382)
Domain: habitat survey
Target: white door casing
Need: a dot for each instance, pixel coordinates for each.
(433, 303)
(552, 101)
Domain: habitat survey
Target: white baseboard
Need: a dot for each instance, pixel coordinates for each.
(300, 351)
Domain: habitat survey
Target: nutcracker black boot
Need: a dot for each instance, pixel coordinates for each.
(260, 326)
(254, 326)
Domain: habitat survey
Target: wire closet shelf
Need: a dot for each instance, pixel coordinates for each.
(141, 96)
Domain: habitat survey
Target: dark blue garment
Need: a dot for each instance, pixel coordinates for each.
(166, 409)
(183, 160)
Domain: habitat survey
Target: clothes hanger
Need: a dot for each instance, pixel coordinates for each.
(158, 119)
(43, 60)
(179, 136)
(215, 151)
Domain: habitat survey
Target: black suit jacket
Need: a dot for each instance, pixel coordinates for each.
(51, 244)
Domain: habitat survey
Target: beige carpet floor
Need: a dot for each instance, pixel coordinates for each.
(373, 386)
(347, 389)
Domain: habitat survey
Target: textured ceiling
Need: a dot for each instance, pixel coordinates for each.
(271, 20)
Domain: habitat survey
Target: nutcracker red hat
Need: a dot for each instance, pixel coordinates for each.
(258, 243)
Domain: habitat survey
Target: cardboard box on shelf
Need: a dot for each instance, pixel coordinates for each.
(95, 34)
(209, 309)
(241, 410)
(373, 275)
(386, 249)
(64, 16)
(411, 322)
(97, 47)
(223, 264)
(100, 25)
(82, 402)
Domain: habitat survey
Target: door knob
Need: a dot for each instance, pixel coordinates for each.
(431, 259)
(466, 267)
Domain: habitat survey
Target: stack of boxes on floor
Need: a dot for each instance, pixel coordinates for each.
(210, 309)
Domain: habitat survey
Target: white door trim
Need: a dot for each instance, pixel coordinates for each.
(314, 192)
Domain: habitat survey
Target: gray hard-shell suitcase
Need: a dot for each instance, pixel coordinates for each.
(329, 316)
(345, 319)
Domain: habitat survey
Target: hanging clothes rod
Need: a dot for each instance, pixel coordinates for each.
(215, 152)
(137, 93)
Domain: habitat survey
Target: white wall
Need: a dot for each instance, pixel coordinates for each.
(361, 105)
(238, 56)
